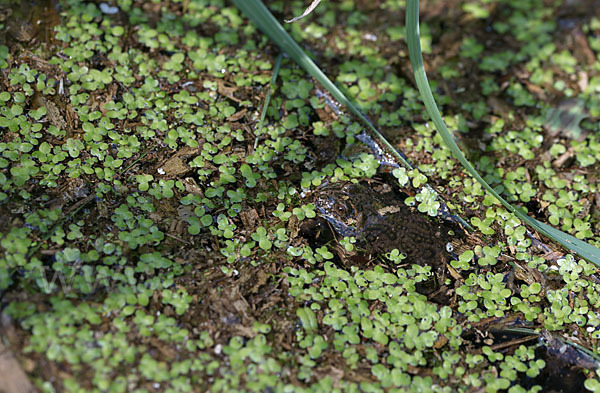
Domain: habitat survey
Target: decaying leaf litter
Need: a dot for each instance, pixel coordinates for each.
(194, 261)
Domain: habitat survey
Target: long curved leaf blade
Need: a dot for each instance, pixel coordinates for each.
(582, 248)
(261, 17)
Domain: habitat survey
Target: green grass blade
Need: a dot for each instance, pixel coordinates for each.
(268, 98)
(582, 248)
(261, 17)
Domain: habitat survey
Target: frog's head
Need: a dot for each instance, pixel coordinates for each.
(336, 204)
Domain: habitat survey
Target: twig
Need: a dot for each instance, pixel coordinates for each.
(516, 341)
(307, 11)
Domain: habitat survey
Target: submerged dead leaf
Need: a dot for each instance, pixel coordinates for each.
(249, 219)
(228, 91)
(176, 165)
(564, 120)
(54, 115)
(238, 115)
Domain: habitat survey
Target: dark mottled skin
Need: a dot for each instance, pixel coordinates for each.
(381, 222)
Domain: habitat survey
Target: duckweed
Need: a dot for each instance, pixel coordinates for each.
(150, 246)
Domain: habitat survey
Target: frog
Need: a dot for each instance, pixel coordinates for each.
(5, 12)
(381, 222)
(20, 29)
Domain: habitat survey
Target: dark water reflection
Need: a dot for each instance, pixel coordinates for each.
(29, 22)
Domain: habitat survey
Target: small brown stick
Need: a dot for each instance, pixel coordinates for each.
(178, 238)
(514, 342)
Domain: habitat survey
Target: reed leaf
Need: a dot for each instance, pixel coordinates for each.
(266, 22)
(582, 248)
(261, 17)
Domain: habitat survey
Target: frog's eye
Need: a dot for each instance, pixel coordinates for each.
(340, 209)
